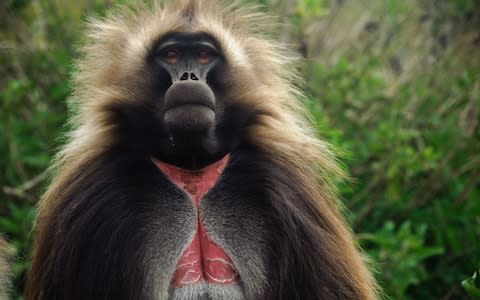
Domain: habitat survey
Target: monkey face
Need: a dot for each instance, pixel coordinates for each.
(184, 114)
(189, 104)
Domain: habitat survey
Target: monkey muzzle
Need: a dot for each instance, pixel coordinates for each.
(189, 106)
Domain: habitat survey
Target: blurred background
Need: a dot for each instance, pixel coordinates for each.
(393, 85)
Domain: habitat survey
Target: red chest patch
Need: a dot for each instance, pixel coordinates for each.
(202, 260)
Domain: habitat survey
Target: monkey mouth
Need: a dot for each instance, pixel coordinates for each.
(190, 93)
(189, 108)
(189, 119)
(190, 103)
(203, 260)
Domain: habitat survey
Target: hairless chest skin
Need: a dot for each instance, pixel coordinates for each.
(203, 259)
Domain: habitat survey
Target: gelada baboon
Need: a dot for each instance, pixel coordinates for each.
(190, 172)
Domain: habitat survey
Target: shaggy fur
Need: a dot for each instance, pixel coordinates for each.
(5, 274)
(92, 239)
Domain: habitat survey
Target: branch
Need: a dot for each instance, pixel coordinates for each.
(21, 190)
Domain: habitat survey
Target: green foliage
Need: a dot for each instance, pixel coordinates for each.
(400, 254)
(406, 116)
(33, 90)
(311, 8)
(472, 285)
(393, 86)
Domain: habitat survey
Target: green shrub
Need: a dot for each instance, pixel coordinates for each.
(402, 102)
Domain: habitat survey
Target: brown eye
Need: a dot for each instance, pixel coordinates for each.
(203, 57)
(171, 57)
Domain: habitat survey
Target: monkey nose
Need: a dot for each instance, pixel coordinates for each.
(188, 75)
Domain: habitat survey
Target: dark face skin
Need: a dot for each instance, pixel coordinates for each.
(189, 103)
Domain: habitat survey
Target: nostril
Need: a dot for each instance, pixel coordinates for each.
(193, 76)
(184, 76)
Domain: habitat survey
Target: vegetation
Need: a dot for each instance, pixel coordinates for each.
(393, 85)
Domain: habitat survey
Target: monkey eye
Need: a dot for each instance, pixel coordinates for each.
(204, 56)
(170, 56)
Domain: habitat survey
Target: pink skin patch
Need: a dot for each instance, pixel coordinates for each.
(203, 260)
